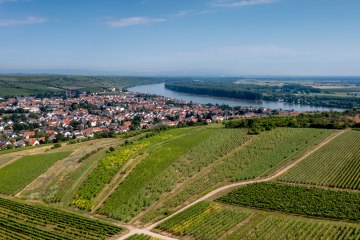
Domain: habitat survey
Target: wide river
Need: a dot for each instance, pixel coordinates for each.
(159, 89)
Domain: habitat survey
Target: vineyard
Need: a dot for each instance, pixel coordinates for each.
(143, 186)
(138, 181)
(298, 200)
(111, 164)
(168, 166)
(23, 171)
(279, 226)
(335, 165)
(262, 155)
(204, 221)
(23, 221)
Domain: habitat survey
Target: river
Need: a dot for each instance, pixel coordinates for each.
(159, 89)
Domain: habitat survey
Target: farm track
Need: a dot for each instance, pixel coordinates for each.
(10, 162)
(273, 176)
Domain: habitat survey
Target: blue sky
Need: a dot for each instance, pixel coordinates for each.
(228, 37)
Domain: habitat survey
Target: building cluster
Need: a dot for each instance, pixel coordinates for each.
(27, 121)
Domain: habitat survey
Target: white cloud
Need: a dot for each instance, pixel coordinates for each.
(131, 21)
(4, 1)
(182, 13)
(25, 21)
(237, 3)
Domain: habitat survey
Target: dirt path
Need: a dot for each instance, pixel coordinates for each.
(10, 162)
(134, 231)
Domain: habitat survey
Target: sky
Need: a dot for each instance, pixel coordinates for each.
(181, 37)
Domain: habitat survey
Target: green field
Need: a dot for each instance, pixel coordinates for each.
(261, 156)
(335, 165)
(24, 221)
(297, 200)
(23, 171)
(204, 221)
(280, 226)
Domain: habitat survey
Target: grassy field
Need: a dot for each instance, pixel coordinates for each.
(259, 157)
(166, 167)
(275, 226)
(204, 221)
(24, 221)
(17, 175)
(297, 200)
(336, 165)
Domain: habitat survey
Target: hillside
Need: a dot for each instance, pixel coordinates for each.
(186, 183)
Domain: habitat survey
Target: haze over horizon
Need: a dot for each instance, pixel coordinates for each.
(215, 37)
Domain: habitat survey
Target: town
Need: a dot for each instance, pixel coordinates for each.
(30, 121)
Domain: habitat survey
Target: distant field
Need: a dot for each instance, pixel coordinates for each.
(298, 200)
(335, 165)
(23, 171)
(205, 221)
(262, 155)
(274, 226)
(23, 221)
(17, 85)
